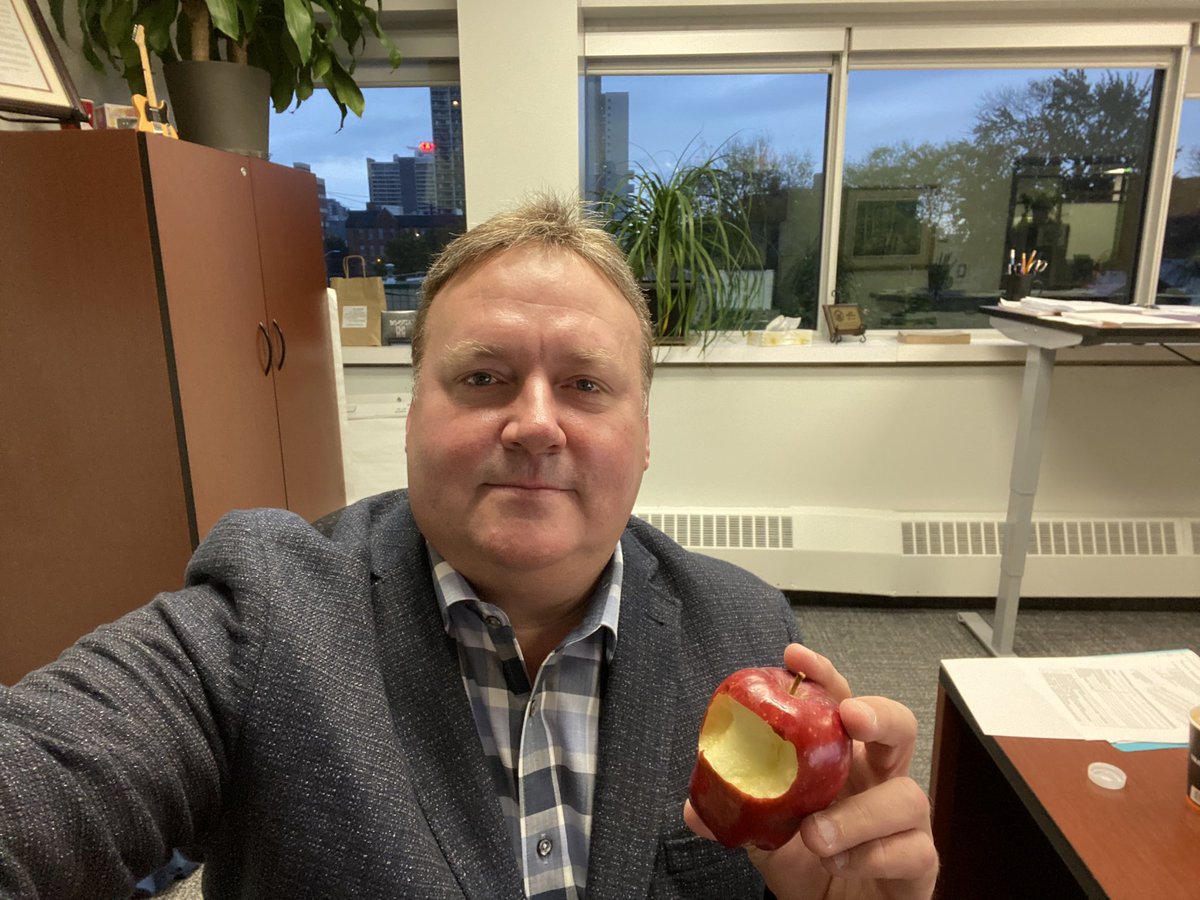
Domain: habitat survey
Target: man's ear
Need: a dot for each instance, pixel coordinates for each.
(646, 463)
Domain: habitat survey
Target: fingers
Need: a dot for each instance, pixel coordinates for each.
(693, 821)
(887, 730)
(816, 667)
(882, 833)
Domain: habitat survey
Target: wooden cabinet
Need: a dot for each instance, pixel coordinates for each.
(164, 358)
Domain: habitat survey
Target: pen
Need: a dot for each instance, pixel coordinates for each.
(1012, 260)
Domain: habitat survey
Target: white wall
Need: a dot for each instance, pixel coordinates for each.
(518, 62)
(1121, 441)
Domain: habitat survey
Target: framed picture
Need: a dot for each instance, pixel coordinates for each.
(884, 229)
(33, 79)
(844, 319)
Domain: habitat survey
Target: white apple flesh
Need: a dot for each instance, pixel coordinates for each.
(772, 750)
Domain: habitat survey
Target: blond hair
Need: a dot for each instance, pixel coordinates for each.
(546, 221)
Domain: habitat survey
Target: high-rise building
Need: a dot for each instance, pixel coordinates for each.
(445, 109)
(606, 142)
(393, 183)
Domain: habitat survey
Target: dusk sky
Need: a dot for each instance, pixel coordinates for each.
(668, 111)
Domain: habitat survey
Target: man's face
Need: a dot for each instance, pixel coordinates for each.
(528, 434)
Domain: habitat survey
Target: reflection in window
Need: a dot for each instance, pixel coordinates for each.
(1179, 270)
(950, 174)
(391, 183)
(764, 135)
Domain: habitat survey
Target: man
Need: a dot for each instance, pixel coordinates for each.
(490, 686)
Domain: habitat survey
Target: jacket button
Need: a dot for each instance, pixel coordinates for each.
(544, 846)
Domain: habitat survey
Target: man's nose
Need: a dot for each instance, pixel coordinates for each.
(533, 422)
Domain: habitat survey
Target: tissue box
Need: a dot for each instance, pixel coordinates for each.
(791, 338)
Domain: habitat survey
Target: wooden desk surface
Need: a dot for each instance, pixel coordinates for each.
(1140, 842)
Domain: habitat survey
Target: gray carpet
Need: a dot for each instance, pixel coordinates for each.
(895, 652)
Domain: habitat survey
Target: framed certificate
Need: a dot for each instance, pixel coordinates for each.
(33, 79)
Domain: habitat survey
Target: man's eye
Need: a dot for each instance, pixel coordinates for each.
(480, 379)
(586, 385)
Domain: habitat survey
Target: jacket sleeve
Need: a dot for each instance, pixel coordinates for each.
(119, 751)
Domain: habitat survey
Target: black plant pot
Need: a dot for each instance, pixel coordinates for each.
(221, 104)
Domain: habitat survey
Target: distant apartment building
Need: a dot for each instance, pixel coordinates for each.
(368, 233)
(445, 109)
(606, 144)
(404, 185)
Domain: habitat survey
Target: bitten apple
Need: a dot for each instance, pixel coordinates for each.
(772, 750)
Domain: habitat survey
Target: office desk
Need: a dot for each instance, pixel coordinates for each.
(1017, 818)
(1045, 336)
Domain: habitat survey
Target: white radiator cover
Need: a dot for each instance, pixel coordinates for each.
(899, 554)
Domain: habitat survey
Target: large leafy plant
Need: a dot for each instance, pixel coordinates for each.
(689, 246)
(298, 42)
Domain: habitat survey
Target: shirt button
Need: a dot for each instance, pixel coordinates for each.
(492, 621)
(544, 846)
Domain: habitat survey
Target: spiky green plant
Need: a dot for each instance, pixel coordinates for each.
(675, 235)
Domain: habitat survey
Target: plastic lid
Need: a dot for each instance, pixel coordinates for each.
(1106, 776)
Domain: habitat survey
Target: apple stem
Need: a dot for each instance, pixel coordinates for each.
(796, 682)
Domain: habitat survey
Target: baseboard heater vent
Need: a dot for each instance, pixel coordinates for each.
(721, 530)
(1125, 537)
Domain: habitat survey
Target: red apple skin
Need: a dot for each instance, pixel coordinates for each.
(810, 720)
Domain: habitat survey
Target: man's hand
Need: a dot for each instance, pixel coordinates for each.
(875, 841)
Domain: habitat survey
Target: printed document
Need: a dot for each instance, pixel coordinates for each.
(1123, 697)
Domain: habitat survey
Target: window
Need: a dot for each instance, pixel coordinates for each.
(952, 175)
(391, 183)
(764, 134)
(1179, 269)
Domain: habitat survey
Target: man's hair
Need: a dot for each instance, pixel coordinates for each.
(546, 221)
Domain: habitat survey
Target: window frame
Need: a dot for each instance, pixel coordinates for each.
(755, 47)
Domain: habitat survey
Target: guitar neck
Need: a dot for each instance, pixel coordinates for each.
(140, 39)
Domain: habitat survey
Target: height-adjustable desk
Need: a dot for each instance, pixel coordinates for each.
(1045, 336)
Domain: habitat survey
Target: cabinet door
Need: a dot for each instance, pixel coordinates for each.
(219, 329)
(293, 273)
(93, 518)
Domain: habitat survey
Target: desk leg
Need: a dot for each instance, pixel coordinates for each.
(1027, 461)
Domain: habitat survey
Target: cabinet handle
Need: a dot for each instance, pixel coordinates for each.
(282, 346)
(270, 349)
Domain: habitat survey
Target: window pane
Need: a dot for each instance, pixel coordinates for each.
(1179, 273)
(951, 174)
(391, 183)
(764, 136)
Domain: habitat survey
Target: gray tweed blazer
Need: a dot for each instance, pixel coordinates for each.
(296, 716)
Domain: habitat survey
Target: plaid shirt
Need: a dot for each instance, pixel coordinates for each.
(540, 740)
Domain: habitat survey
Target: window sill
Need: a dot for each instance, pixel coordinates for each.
(987, 347)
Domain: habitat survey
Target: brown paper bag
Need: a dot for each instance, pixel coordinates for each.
(361, 303)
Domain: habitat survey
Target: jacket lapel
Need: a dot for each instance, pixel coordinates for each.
(636, 731)
(432, 716)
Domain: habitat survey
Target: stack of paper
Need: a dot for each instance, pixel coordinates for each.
(1141, 697)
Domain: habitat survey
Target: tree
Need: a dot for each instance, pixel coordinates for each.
(1062, 133)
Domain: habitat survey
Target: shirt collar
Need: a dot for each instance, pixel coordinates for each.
(603, 611)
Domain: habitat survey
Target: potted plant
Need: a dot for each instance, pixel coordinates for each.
(242, 50)
(689, 248)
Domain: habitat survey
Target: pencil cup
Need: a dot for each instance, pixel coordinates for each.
(1016, 286)
(1194, 758)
